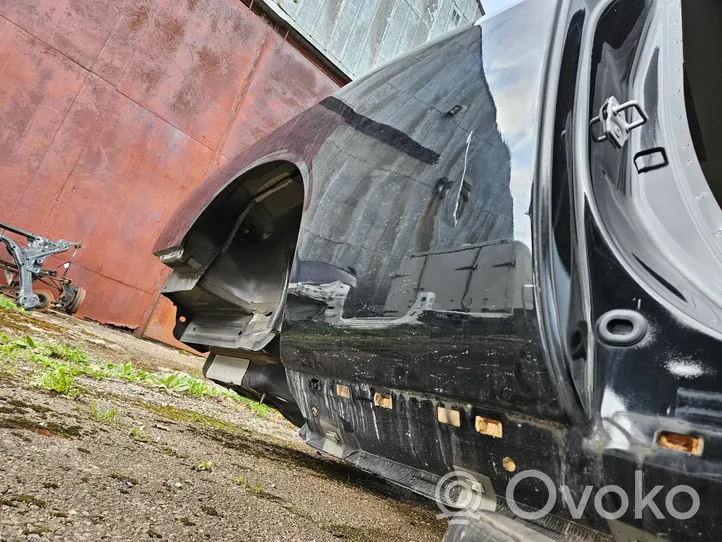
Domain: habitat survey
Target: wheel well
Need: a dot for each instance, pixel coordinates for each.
(230, 282)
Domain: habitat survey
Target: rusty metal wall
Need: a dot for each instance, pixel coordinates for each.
(111, 111)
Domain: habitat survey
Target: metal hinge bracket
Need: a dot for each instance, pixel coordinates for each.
(614, 123)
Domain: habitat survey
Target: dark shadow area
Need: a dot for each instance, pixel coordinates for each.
(702, 28)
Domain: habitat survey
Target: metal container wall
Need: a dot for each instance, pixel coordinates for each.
(111, 112)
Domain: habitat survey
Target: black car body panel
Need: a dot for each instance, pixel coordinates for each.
(437, 269)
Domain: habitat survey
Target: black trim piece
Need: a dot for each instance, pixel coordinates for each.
(382, 132)
(649, 152)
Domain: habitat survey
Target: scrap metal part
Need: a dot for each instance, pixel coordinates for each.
(27, 266)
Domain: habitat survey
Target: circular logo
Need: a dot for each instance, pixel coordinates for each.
(458, 494)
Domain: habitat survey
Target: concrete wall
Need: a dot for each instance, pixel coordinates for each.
(359, 35)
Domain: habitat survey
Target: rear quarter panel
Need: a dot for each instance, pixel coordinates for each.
(413, 268)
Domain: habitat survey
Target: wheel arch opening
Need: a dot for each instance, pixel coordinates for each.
(229, 280)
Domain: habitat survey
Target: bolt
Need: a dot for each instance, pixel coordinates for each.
(314, 411)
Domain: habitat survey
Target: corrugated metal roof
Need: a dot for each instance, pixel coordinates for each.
(358, 35)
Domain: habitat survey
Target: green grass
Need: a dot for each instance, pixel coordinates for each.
(58, 380)
(10, 348)
(67, 353)
(264, 411)
(183, 383)
(63, 363)
(9, 305)
(104, 416)
(204, 466)
(138, 432)
(256, 487)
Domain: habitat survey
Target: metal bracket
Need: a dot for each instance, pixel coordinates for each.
(28, 263)
(613, 119)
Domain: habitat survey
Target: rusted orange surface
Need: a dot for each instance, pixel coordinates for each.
(285, 84)
(112, 111)
(191, 62)
(161, 322)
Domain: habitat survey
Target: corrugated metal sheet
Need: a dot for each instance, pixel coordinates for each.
(359, 35)
(112, 111)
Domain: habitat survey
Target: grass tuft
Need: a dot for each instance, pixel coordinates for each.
(183, 383)
(67, 353)
(58, 380)
(255, 488)
(104, 416)
(204, 466)
(138, 433)
(9, 305)
(64, 362)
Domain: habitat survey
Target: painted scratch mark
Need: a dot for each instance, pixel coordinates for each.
(463, 177)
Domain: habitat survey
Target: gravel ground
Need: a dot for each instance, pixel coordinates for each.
(67, 475)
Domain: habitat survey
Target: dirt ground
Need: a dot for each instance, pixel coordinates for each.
(167, 465)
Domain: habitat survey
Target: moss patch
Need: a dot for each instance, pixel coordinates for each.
(14, 500)
(37, 530)
(48, 429)
(189, 416)
(12, 410)
(22, 404)
(21, 322)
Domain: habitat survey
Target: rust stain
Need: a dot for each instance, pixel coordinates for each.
(209, 62)
(173, 31)
(75, 28)
(44, 432)
(487, 426)
(383, 401)
(508, 464)
(138, 18)
(86, 159)
(680, 442)
(343, 391)
(285, 82)
(150, 78)
(185, 97)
